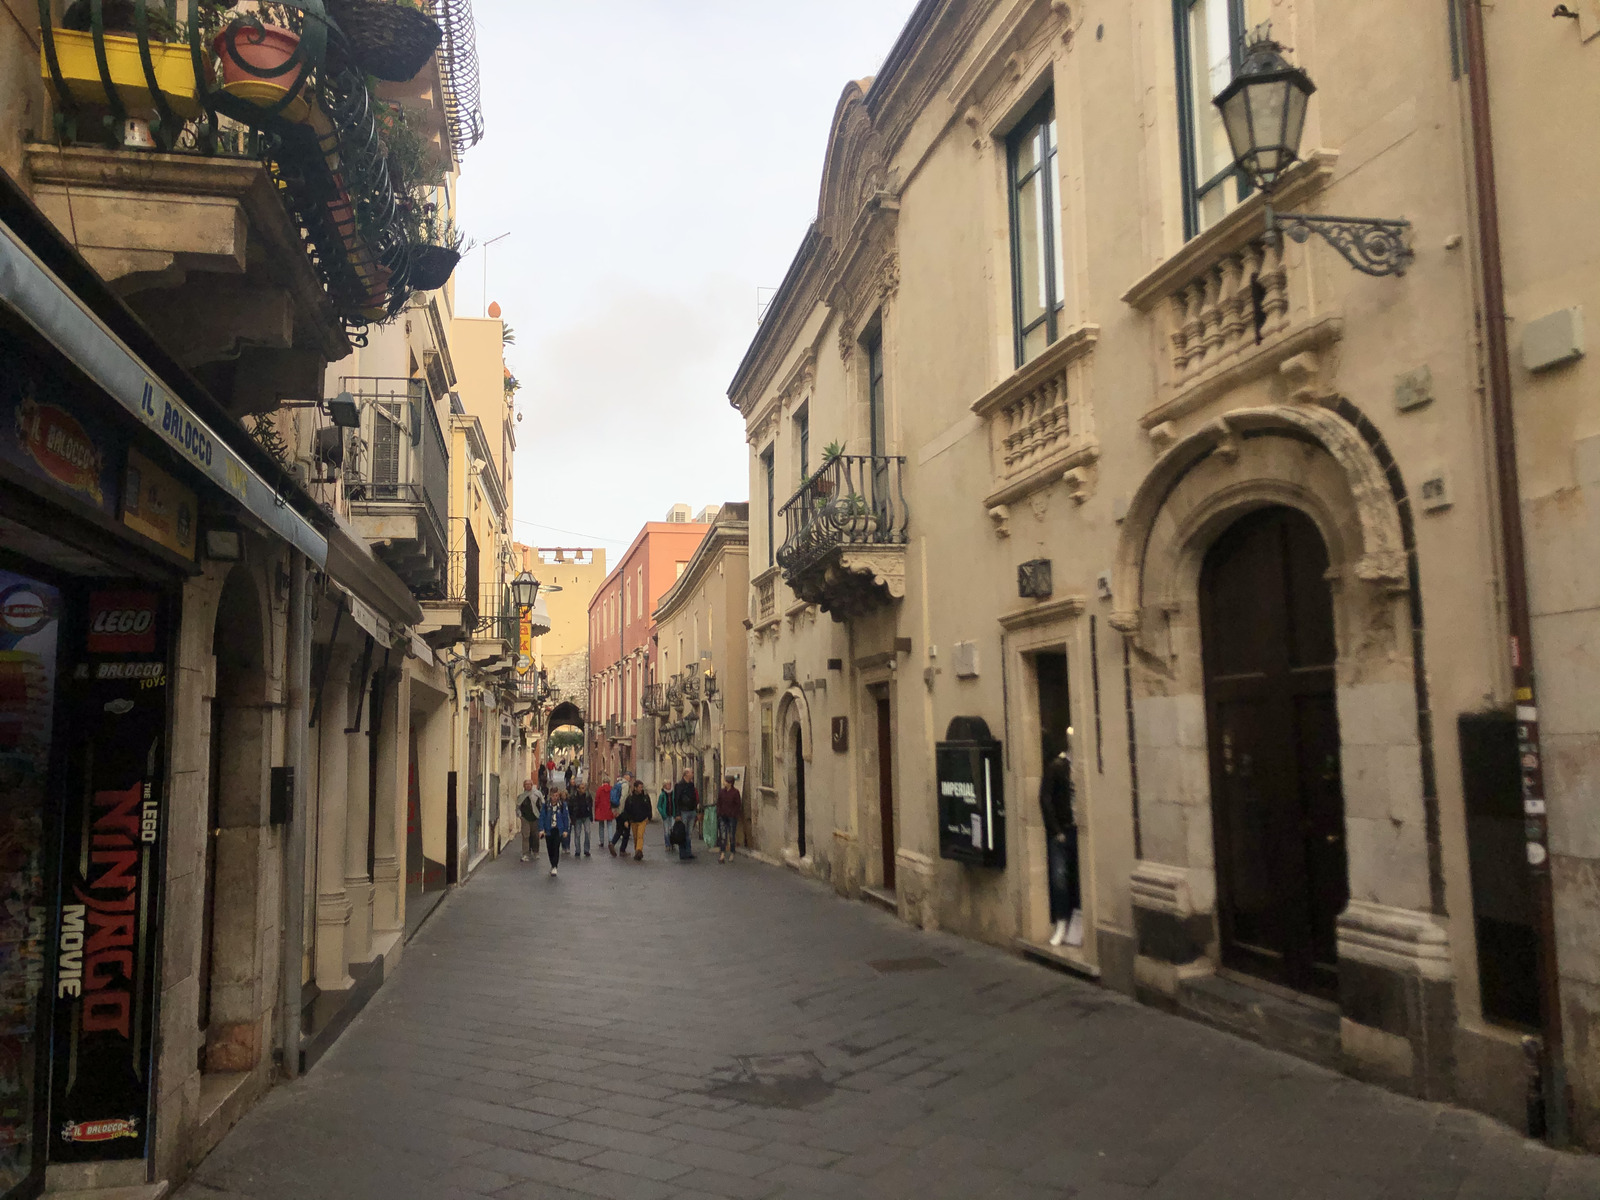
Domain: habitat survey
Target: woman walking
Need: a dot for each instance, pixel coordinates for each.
(555, 823)
(603, 812)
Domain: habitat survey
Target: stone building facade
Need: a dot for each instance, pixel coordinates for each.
(1098, 456)
(700, 698)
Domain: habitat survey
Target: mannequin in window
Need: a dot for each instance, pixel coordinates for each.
(1056, 796)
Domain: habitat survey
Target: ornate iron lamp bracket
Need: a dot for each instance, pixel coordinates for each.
(1372, 245)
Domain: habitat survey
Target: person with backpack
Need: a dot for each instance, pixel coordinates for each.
(555, 823)
(619, 800)
(686, 804)
(636, 812)
(581, 806)
(528, 805)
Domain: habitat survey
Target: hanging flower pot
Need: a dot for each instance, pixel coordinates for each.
(432, 266)
(259, 65)
(388, 40)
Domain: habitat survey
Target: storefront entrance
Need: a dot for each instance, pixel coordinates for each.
(1277, 800)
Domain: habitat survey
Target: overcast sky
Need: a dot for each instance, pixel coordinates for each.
(656, 162)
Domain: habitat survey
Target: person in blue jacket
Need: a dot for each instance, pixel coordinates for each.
(555, 823)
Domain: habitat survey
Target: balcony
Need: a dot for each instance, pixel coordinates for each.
(691, 688)
(1231, 308)
(655, 700)
(451, 614)
(845, 547)
(398, 485)
(247, 181)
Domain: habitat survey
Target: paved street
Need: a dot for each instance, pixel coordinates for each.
(693, 1030)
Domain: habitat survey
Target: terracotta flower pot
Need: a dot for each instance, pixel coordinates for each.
(256, 66)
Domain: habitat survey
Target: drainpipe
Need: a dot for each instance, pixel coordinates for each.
(1553, 1065)
(294, 834)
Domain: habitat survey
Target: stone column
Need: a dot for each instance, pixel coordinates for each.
(358, 813)
(330, 968)
(394, 771)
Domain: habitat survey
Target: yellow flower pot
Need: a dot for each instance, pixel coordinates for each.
(174, 69)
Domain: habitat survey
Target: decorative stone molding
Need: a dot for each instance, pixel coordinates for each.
(1039, 420)
(1232, 306)
(1176, 891)
(1062, 608)
(1080, 483)
(1380, 557)
(1163, 435)
(1396, 939)
(886, 565)
(1012, 55)
(1000, 514)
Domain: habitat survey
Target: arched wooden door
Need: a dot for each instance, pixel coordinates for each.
(1276, 795)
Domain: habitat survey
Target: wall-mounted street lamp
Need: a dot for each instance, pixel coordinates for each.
(525, 591)
(1264, 112)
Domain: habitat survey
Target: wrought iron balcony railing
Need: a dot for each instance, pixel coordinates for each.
(853, 500)
(655, 700)
(691, 687)
(406, 460)
(286, 84)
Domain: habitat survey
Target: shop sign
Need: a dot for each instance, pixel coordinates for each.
(107, 918)
(46, 435)
(41, 299)
(158, 506)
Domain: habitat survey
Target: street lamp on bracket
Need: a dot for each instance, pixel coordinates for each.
(1264, 113)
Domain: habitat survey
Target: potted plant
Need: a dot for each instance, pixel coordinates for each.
(261, 63)
(435, 257)
(74, 54)
(821, 485)
(860, 521)
(390, 40)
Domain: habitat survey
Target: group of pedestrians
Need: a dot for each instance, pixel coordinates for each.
(566, 816)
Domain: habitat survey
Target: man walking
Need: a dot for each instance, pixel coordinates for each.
(686, 803)
(581, 806)
(636, 812)
(730, 806)
(528, 805)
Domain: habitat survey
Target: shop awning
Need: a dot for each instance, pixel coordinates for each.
(40, 298)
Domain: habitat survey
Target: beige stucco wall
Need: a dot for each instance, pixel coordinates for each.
(913, 233)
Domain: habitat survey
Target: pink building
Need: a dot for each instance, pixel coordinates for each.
(622, 652)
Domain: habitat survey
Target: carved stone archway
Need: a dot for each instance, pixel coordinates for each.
(1312, 459)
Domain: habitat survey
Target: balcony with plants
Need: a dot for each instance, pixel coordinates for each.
(846, 533)
(328, 126)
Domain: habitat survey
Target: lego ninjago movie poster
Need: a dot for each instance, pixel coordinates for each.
(108, 909)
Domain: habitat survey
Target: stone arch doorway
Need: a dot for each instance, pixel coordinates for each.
(230, 1013)
(794, 746)
(1277, 802)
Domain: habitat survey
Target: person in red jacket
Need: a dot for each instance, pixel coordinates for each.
(604, 814)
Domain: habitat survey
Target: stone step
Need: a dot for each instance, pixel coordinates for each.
(1303, 1029)
(148, 1191)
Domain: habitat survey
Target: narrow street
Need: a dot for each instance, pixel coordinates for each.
(694, 1030)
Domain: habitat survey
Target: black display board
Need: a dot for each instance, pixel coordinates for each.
(108, 907)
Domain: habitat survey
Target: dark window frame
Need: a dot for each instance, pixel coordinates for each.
(802, 429)
(1042, 113)
(769, 465)
(1195, 189)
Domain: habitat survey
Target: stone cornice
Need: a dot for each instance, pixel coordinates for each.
(1059, 609)
(1073, 344)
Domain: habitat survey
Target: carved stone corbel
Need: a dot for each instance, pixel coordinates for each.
(1080, 484)
(1000, 514)
(1227, 443)
(1162, 436)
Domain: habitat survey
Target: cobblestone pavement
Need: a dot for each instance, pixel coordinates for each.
(667, 1030)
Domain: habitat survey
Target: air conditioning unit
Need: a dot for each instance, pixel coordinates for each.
(300, 471)
(678, 514)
